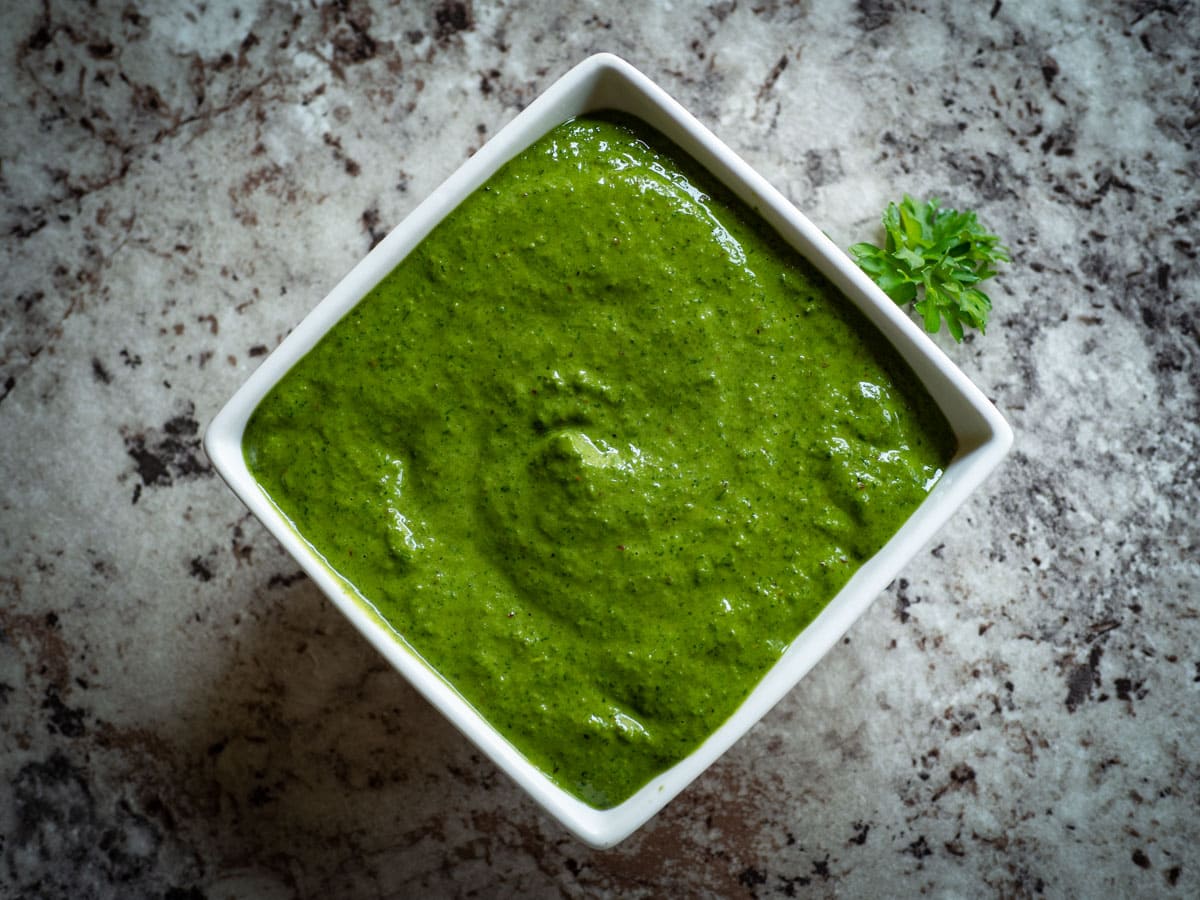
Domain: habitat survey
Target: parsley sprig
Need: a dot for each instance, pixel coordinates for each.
(934, 258)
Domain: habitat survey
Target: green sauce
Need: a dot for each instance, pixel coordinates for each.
(598, 450)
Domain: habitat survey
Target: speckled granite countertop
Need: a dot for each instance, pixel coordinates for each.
(183, 716)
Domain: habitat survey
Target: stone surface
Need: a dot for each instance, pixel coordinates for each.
(185, 717)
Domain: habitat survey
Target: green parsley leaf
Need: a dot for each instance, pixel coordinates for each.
(934, 258)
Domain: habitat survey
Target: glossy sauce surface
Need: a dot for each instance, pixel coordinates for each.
(598, 450)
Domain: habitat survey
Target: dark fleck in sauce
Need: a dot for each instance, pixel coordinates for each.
(598, 450)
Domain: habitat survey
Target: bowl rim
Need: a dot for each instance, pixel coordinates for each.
(601, 82)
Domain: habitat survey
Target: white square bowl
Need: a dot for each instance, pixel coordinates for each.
(607, 82)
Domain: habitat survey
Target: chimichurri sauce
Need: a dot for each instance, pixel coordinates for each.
(598, 450)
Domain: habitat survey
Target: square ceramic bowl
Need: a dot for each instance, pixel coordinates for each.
(606, 82)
